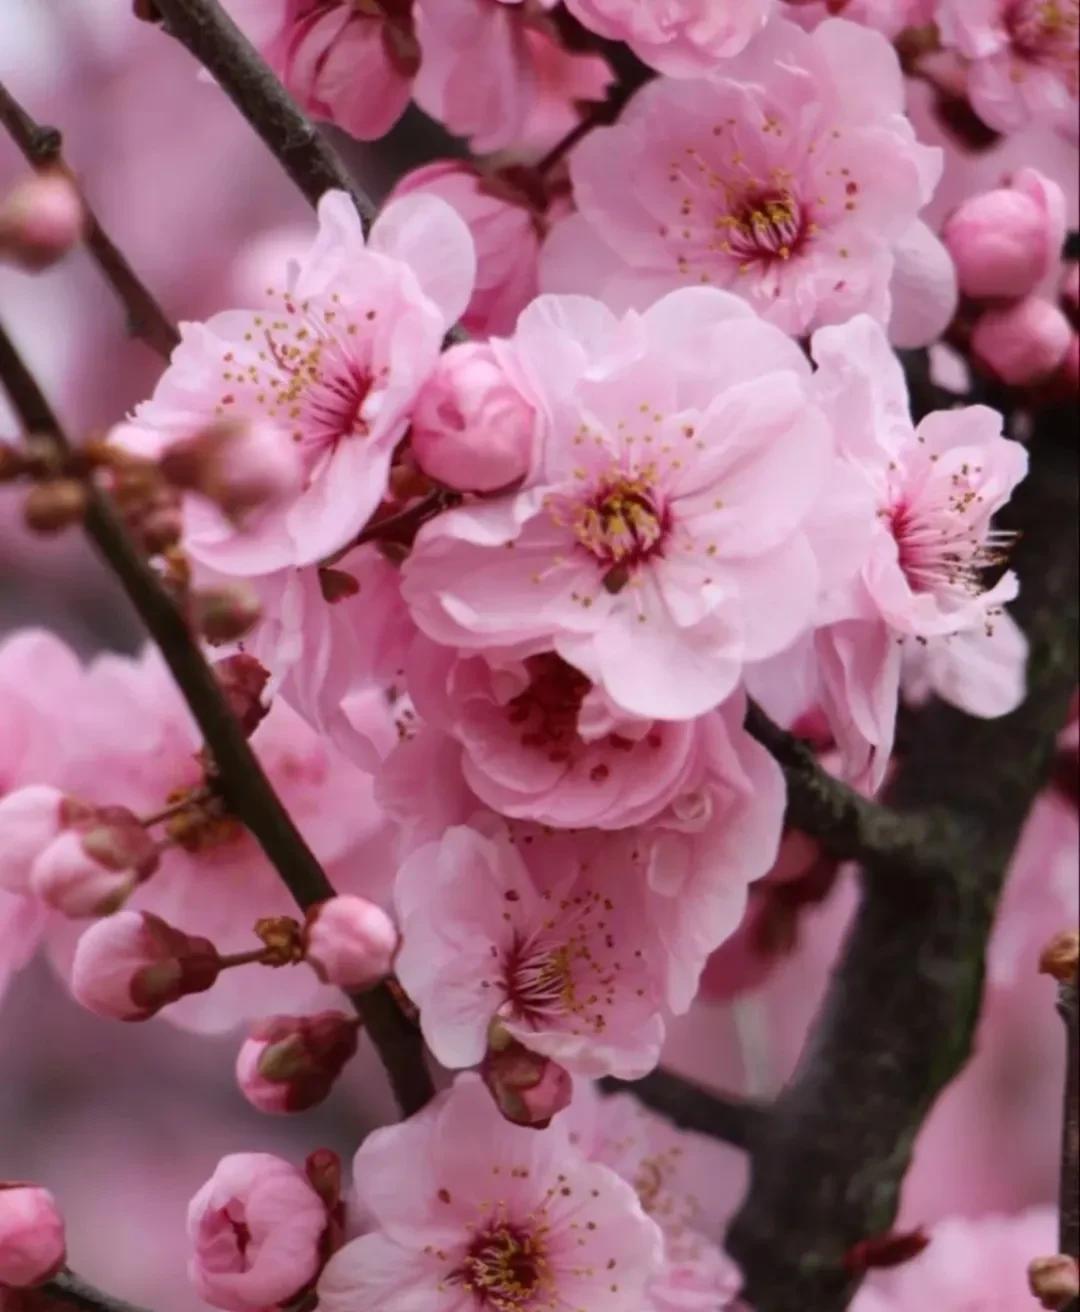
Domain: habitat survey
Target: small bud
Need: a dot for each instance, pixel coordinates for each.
(55, 505)
(91, 870)
(132, 964)
(241, 465)
(41, 218)
(283, 940)
(472, 429)
(243, 680)
(290, 1063)
(1054, 1281)
(226, 613)
(1059, 957)
(30, 818)
(528, 1089)
(1022, 343)
(32, 1248)
(350, 942)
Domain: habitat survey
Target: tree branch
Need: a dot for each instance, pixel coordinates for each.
(67, 1290)
(690, 1106)
(899, 1016)
(1069, 1198)
(41, 146)
(219, 45)
(242, 781)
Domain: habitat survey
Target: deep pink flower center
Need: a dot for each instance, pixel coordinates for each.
(621, 522)
(547, 711)
(507, 1269)
(1045, 31)
(940, 551)
(765, 225)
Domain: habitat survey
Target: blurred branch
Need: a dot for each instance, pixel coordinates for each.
(68, 1290)
(1069, 1237)
(240, 777)
(207, 31)
(41, 145)
(691, 1106)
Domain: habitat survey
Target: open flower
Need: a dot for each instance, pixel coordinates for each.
(683, 38)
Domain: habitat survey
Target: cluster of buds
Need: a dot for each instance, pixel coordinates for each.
(32, 1244)
(528, 1089)
(41, 219)
(57, 496)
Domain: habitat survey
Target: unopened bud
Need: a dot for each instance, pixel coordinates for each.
(1022, 343)
(132, 964)
(1059, 957)
(350, 942)
(1054, 1281)
(32, 1247)
(91, 870)
(30, 818)
(41, 218)
(242, 465)
(243, 681)
(290, 1063)
(55, 505)
(226, 613)
(529, 1089)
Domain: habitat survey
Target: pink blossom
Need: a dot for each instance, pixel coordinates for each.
(681, 456)
(782, 178)
(1022, 59)
(1022, 343)
(504, 229)
(349, 942)
(30, 819)
(32, 1248)
(334, 368)
(552, 939)
(564, 1232)
(40, 220)
(255, 1228)
(889, 17)
(686, 38)
(351, 64)
(290, 1063)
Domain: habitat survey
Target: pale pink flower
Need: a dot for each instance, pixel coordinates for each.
(981, 671)
(30, 819)
(335, 367)
(682, 38)
(472, 1213)
(255, 1228)
(681, 456)
(1023, 58)
(889, 17)
(1022, 343)
(349, 942)
(32, 1247)
(550, 938)
(350, 63)
(790, 177)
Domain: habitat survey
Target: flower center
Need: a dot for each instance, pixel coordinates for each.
(1045, 32)
(622, 524)
(547, 711)
(765, 225)
(940, 552)
(506, 1268)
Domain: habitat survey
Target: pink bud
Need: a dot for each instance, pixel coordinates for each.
(528, 1089)
(41, 219)
(1005, 242)
(91, 869)
(243, 680)
(131, 965)
(256, 1230)
(1021, 343)
(242, 465)
(31, 1236)
(472, 429)
(290, 1063)
(30, 818)
(350, 942)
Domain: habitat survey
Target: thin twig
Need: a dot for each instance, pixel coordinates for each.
(691, 1106)
(217, 43)
(41, 146)
(1069, 1200)
(69, 1290)
(240, 778)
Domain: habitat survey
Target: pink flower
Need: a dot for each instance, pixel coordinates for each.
(130, 965)
(334, 368)
(290, 1063)
(1005, 242)
(504, 229)
(685, 38)
(1023, 59)
(782, 178)
(472, 1213)
(350, 942)
(255, 1228)
(681, 456)
(1022, 343)
(559, 950)
(41, 218)
(32, 1248)
(351, 64)
(472, 429)
(889, 17)
(30, 819)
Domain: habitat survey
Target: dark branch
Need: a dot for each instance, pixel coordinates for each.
(241, 778)
(68, 1290)
(219, 45)
(690, 1106)
(41, 146)
(1069, 1202)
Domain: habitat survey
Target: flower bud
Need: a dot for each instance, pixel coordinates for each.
(91, 870)
(1022, 343)
(32, 1246)
(1004, 242)
(528, 1089)
(41, 218)
(350, 942)
(55, 505)
(1054, 1281)
(243, 680)
(226, 613)
(131, 965)
(472, 429)
(30, 818)
(290, 1063)
(241, 465)
(1060, 956)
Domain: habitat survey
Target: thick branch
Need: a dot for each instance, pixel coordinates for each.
(1069, 1204)
(690, 1106)
(219, 45)
(241, 778)
(68, 1290)
(41, 145)
(901, 1009)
